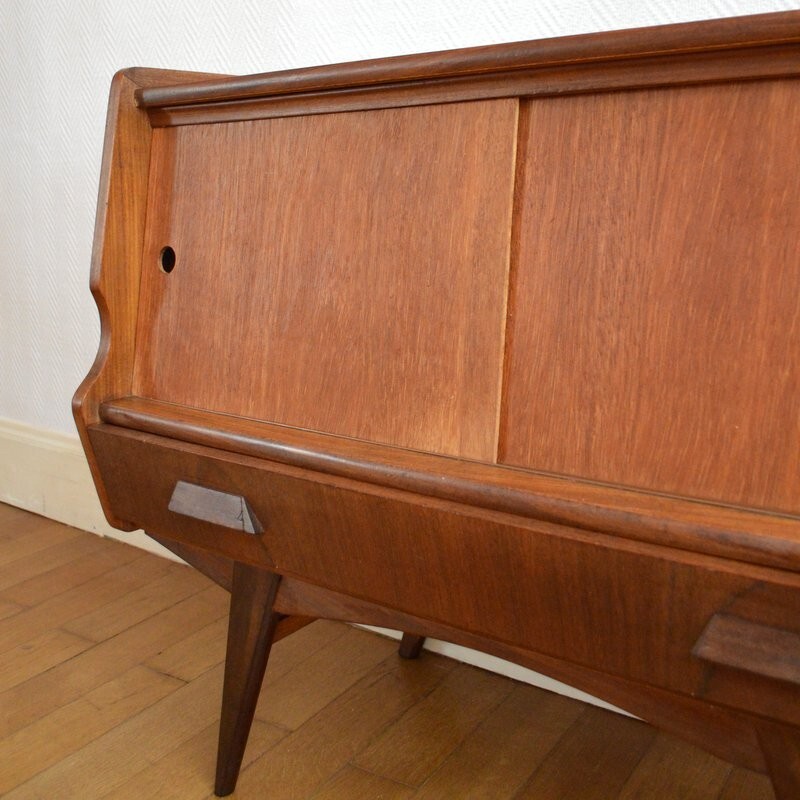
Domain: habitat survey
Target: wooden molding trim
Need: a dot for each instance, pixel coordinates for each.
(758, 538)
(750, 47)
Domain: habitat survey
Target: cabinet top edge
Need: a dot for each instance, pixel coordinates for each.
(676, 41)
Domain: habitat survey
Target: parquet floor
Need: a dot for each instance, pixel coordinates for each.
(110, 680)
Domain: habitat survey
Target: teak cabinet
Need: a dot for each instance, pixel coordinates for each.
(500, 345)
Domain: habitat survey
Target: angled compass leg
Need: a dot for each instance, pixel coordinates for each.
(781, 747)
(251, 631)
(411, 645)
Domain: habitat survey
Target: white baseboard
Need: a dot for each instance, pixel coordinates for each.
(47, 473)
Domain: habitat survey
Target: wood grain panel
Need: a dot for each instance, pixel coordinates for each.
(751, 536)
(542, 587)
(655, 327)
(345, 273)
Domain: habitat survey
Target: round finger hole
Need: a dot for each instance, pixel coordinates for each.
(167, 259)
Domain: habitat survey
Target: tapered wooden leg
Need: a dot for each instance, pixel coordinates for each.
(411, 645)
(781, 747)
(251, 630)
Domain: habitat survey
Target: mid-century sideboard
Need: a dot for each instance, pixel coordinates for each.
(497, 345)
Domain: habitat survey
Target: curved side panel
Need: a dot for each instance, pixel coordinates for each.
(117, 251)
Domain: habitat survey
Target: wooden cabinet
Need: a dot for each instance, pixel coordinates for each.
(498, 345)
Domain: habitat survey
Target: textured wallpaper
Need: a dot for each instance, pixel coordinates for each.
(56, 62)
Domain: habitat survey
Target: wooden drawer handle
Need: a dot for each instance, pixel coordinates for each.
(749, 646)
(229, 510)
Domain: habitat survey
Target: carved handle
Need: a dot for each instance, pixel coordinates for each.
(749, 646)
(210, 505)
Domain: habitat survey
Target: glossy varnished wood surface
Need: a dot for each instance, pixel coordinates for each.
(135, 713)
(654, 319)
(119, 232)
(116, 255)
(577, 582)
(345, 273)
(756, 538)
(710, 51)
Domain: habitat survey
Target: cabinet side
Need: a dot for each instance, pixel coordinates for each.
(116, 253)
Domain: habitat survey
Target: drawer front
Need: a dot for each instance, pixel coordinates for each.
(615, 605)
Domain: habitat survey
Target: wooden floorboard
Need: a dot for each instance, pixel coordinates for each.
(585, 766)
(111, 675)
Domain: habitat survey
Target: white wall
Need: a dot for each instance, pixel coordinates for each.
(56, 62)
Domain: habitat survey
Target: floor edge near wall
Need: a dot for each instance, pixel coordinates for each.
(46, 472)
